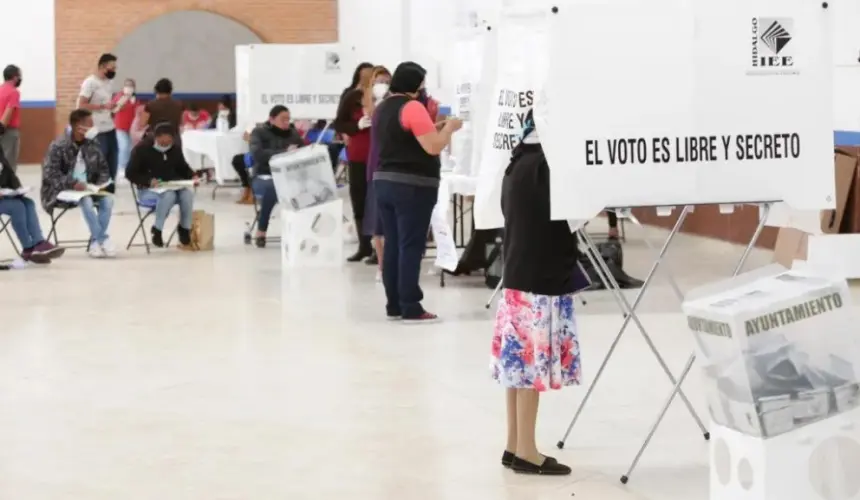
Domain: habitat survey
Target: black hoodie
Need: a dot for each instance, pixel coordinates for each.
(147, 163)
(8, 178)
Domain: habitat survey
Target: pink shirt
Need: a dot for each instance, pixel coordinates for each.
(10, 96)
(415, 118)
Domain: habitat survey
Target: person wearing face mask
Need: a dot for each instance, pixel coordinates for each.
(226, 114)
(195, 118)
(124, 109)
(276, 136)
(72, 162)
(96, 96)
(154, 162)
(406, 185)
(353, 122)
(10, 114)
(372, 226)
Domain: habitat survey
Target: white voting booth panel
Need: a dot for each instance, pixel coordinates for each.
(781, 364)
(313, 237)
(520, 65)
(710, 114)
(307, 78)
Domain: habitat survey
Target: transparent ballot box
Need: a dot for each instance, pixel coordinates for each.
(779, 350)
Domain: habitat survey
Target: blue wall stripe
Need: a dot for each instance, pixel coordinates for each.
(38, 104)
(189, 96)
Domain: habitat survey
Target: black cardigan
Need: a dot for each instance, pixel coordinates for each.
(147, 163)
(8, 178)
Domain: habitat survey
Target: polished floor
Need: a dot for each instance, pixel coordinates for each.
(220, 376)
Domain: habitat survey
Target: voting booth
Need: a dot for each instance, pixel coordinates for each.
(312, 212)
(696, 103)
(780, 356)
(306, 78)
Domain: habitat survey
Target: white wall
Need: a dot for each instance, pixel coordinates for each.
(28, 42)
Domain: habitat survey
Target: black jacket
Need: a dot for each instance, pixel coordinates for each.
(147, 163)
(8, 178)
(267, 141)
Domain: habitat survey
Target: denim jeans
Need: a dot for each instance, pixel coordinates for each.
(165, 201)
(123, 142)
(97, 211)
(25, 221)
(110, 148)
(265, 188)
(405, 212)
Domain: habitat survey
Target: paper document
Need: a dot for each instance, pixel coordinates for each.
(73, 196)
(21, 191)
(172, 186)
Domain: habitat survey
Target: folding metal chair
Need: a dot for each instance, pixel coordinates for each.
(145, 208)
(4, 228)
(63, 207)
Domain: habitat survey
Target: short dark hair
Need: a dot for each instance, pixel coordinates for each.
(10, 72)
(163, 128)
(193, 107)
(278, 109)
(79, 115)
(164, 86)
(106, 58)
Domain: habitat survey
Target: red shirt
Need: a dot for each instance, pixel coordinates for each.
(11, 96)
(124, 117)
(358, 147)
(201, 122)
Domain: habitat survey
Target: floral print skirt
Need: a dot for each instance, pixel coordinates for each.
(535, 343)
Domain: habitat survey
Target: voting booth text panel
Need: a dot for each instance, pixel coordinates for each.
(734, 106)
(306, 78)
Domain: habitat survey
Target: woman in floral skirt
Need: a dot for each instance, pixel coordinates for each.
(535, 345)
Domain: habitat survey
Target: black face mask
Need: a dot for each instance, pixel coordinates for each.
(18, 81)
(110, 74)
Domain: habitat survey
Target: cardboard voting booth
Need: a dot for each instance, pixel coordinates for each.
(734, 106)
(307, 78)
(781, 361)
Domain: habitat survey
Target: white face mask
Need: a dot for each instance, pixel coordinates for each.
(379, 90)
(128, 90)
(91, 133)
(224, 113)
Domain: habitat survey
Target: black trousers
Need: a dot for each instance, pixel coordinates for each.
(358, 190)
(613, 219)
(242, 170)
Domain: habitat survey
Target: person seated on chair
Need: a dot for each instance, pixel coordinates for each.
(154, 163)
(24, 220)
(194, 118)
(72, 162)
(274, 137)
(241, 164)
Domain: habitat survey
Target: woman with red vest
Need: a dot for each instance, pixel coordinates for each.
(353, 122)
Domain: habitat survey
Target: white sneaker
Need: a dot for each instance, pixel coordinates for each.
(379, 276)
(108, 248)
(96, 251)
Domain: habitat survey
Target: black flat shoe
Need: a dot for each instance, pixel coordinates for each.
(549, 467)
(507, 459)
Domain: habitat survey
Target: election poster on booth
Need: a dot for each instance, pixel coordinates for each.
(469, 53)
(734, 107)
(306, 78)
(521, 66)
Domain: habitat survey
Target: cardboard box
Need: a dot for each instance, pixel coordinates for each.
(845, 165)
(791, 245)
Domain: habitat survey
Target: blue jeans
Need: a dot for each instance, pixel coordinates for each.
(110, 148)
(97, 220)
(265, 188)
(405, 212)
(25, 221)
(165, 201)
(123, 141)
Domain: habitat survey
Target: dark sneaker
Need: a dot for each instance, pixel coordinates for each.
(157, 238)
(373, 260)
(184, 236)
(260, 242)
(549, 467)
(48, 250)
(30, 256)
(424, 317)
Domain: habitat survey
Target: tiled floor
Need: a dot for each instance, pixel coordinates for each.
(220, 376)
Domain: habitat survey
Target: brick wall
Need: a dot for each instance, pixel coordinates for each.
(86, 29)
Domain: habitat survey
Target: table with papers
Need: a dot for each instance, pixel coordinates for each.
(219, 147)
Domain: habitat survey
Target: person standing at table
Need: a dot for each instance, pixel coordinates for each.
(125, 107)
(353, 122)
(163, 109)
(407, 187)
(195, 118)
(96, 96)
(10, 115)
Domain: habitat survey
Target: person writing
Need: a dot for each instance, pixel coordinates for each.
(406, 187)
(276, 136)
(535, 346)
(195, 118)
(154, 164)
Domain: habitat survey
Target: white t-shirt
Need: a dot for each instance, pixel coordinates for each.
(99, 91)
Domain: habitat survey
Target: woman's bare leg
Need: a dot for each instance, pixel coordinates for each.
(379, 244)
(511, 400)
(526, 409)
